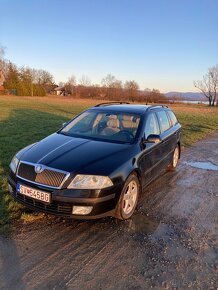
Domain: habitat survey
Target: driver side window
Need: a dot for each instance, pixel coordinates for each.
(151, 126)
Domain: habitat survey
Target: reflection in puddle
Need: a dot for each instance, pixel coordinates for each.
(203, 165)
(142, 224)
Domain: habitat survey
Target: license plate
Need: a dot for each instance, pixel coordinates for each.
(34, 193)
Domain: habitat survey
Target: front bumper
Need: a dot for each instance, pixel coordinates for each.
(62, 200)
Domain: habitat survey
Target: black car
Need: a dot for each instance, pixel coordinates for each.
(98, 163)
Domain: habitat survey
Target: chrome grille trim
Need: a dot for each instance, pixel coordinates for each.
(67, 174)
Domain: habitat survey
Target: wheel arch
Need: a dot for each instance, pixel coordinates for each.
(137, 172)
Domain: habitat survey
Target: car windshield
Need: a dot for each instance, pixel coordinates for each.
(108, 126)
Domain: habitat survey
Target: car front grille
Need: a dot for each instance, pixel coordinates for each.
(53, 208)
(48, 177)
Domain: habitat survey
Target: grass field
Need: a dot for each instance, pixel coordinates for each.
(25, 120)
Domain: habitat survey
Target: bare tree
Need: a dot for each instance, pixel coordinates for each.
(3, 61)
(72, 80)
(83, 88)
(131, 89)
(118, 90)
(70, 85)
(61, 84)
(85, 81)
(44, 77)
(108, 81)
(209, 85)
(2, 51)
(112, 88)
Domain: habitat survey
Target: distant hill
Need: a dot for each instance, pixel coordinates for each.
(191, 96)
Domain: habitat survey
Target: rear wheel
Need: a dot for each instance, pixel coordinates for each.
(175, 159)
(129, 198)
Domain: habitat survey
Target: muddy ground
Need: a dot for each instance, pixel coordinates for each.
(171, 241)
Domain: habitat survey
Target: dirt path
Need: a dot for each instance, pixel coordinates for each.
(171, 242)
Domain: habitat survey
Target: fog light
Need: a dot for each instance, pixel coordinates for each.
(82, 210)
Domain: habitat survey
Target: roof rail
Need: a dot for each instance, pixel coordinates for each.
(110, 103)
(156, 106)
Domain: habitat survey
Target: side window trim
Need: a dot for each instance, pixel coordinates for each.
(161, 131)
(170, 120)
(157, 122)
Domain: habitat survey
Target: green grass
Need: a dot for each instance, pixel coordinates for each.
(24, 121)
(196, 122)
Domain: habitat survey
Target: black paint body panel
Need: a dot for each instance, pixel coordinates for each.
(85, 156)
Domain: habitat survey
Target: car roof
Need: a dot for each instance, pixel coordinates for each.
(128, 108)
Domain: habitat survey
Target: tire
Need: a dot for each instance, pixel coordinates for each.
(175, 159)
(128, 198)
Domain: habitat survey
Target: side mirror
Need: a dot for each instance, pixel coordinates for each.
(64, 124)
(153, 138)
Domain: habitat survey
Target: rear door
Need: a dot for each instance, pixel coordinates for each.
(168, 137)
(176, 127)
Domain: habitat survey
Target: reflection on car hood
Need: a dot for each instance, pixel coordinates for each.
(69, 153)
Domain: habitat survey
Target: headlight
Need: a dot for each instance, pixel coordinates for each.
(90, 182)
(14, 163)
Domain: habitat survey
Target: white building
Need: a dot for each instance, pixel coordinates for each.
(60, 91)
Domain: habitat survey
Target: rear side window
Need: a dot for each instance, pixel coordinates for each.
(151, 126)
(163, 120)
(172, 117)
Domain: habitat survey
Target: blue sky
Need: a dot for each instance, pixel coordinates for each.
(163, 44)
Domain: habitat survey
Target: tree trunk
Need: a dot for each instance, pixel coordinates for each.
(213, 102)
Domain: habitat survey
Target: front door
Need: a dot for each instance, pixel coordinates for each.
(151, 152)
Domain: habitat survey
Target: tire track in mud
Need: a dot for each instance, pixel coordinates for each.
(115, 260)
(73, 253)
(50, 239)
(101, 262)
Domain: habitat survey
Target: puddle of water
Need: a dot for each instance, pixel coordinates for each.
(203, 165)
(142, 224)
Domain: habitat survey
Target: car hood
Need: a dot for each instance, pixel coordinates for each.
(69, 153)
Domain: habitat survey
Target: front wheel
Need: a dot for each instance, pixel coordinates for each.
(175, 159)
(128, 199)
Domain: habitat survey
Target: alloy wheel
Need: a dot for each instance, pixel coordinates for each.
(175, 157)
(130, 197)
